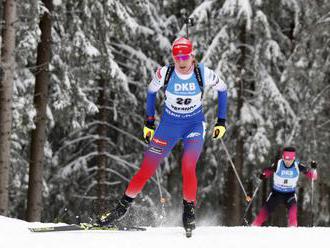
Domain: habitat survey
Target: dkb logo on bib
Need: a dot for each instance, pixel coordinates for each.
(185, 87)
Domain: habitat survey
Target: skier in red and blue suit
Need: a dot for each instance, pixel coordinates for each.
(182, 119)
(285, 177)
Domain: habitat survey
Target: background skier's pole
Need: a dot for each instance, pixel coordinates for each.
(314, 166)
(247, 198)
(312, 202)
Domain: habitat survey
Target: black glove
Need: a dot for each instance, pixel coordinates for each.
(313, 164)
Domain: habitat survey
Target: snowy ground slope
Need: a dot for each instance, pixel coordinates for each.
(14, 233)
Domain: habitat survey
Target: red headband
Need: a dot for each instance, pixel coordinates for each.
(289, 155)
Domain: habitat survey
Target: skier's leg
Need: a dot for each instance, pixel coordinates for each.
(160, 146)
(292, 211)
(271, 202)
(164, 140)
(261, 217)
(193, 144)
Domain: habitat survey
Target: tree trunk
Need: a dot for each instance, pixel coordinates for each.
(6, 88)
(38, 136)
(102, 145)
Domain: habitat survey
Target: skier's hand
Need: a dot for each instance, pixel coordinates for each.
(219, 129)
(149, 130)
(313, 164)
(262, 176)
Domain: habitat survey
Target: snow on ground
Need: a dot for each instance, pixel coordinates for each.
(14, 233)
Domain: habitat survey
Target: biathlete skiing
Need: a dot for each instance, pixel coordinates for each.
(285, 175)
(182, 119)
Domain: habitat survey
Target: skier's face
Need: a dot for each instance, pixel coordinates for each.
(183, 63)
(288, 162)
(288, 157)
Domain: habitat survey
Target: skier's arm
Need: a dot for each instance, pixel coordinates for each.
(151, 102)
(212, 79)
(149, 124)
(268, 171)
(156, 83)
(310, 173)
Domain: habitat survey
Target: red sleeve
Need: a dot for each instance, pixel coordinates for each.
(268, 172)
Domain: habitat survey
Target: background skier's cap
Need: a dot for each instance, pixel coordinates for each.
(289, 155)
(181, 46)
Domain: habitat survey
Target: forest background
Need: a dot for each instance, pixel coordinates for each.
(72, 105)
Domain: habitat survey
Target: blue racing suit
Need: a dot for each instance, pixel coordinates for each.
(182, 119)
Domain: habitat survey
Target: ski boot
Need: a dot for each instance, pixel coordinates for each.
(113, 216)
(188, 217)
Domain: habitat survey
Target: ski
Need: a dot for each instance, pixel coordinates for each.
(85, 226)
(188, 232)
(56, 228)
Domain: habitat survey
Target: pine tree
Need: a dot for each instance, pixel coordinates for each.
(38, 136)
(7, 65)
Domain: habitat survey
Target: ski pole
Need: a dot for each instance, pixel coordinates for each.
(250, 202)
(187, 20)
(312, 202)
(247, 198)
(314, 166)
(162, 200)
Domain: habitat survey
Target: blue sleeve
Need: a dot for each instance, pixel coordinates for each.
(151, 102)
(222, 104)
